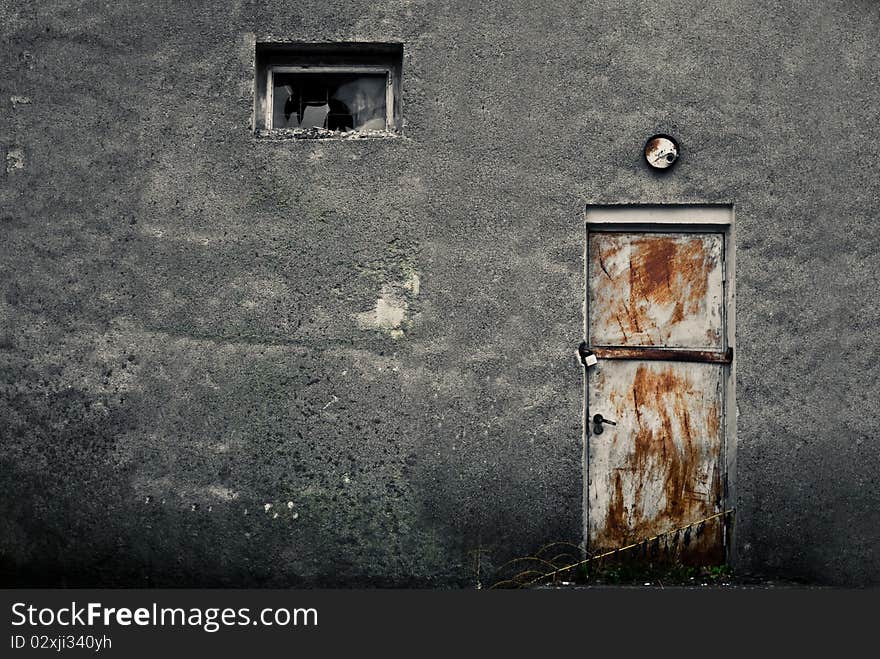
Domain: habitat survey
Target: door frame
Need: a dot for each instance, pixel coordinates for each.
(678, 218)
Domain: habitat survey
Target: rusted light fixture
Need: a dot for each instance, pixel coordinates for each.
(661, 151)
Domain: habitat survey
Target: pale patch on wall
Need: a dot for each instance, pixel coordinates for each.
(14, 159)
(221, 492)
(388, 314)
(392, 307)
(413, 283)
(178, 490)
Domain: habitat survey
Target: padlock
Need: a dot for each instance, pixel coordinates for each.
(587, 356)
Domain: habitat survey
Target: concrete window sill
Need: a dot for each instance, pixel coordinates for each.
(284, 134)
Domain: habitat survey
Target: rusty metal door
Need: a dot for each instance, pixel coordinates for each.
(656, 310)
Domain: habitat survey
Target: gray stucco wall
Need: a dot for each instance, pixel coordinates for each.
(185, 310)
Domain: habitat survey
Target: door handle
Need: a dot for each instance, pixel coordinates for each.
(598, 420)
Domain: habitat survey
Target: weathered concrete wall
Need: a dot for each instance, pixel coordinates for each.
(187, 311)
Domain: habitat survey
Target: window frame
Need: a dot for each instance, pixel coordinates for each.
(388, 71)
(272, 55)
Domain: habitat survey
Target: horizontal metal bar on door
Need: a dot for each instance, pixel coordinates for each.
(664, 354)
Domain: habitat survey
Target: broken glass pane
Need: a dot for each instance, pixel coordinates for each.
(336, 101)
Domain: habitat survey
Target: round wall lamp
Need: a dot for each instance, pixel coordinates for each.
(661, 151)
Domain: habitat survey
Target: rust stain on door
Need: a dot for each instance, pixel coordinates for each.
(660, 467)
(656, 289)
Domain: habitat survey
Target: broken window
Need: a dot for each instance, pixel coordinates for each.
(335, 101)
(327, 90)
